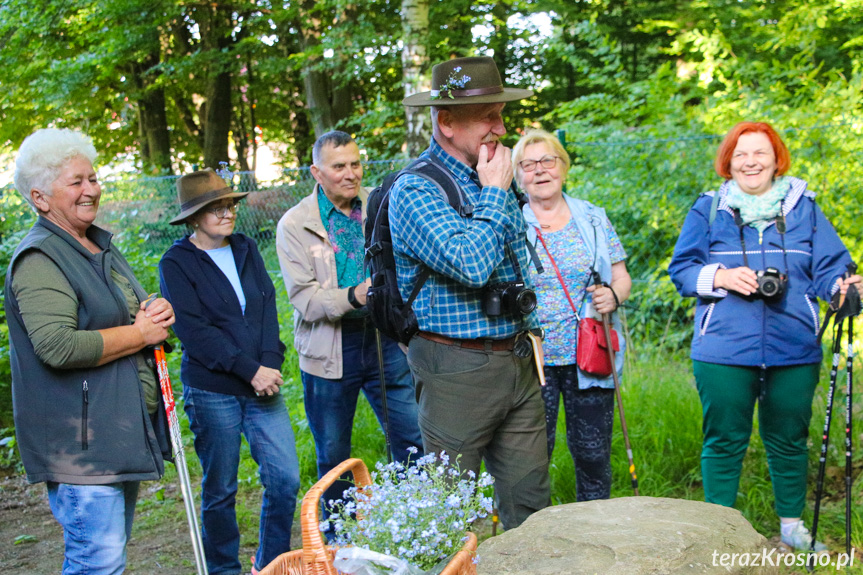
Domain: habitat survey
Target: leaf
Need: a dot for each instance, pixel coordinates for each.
(25, 539)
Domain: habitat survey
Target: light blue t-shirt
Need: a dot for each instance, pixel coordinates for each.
(224, 258)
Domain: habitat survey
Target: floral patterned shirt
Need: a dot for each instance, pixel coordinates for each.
(346, 237)
(574, 261)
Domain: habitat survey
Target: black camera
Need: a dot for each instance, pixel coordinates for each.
(508, 297)
(771, 283)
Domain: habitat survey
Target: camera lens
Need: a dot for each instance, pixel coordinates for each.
(769, 287)
(525, 301)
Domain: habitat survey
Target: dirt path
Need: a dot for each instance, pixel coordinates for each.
(160, 538)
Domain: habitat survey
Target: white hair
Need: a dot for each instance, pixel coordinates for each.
(42, 156)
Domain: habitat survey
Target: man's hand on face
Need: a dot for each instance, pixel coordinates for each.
(497, 171)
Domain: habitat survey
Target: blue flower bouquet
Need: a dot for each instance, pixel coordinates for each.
(418, 515)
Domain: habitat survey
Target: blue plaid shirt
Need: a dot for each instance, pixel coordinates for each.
(464, 254)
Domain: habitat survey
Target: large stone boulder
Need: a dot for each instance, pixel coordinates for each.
(629, 536)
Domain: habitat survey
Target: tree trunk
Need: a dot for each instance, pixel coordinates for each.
(315, 82)
(155, 142)
(500, 39)
(215, 27)
(155, 124)
(415, 72)
(253, 122)
(326, 102)
(143, 145)
(218, 124)
(241, 133)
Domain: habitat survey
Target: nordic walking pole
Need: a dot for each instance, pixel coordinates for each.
(179, 454)
(849, 369)
(384, 397)
(180, 460)
(825, 438)
(606, 326)
(844, 307)
(851, 307)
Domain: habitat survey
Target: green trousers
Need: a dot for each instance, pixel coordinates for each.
(728, 395)
(485, 406)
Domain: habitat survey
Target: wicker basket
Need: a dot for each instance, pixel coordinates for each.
(315, 558)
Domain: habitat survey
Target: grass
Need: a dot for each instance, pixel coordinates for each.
(664, 420)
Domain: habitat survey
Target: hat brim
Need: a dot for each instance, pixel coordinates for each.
(508, 95)
(188, 212)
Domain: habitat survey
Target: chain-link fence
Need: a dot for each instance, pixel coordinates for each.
(645, 184)
(146, 205)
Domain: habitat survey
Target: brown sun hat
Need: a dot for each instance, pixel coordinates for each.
(462, 81)
(198, 189)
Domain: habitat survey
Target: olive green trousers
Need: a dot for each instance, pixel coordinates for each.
(728, 397)
(485, 405)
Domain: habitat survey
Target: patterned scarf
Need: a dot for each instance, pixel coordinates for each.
(758, 211)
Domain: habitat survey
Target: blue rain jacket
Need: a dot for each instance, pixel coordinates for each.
(731, 329)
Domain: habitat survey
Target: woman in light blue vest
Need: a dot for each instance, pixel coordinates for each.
(572, 238)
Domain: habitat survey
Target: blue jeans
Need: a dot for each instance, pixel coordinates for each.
(97, 523)
(217, 419)
(331, 403)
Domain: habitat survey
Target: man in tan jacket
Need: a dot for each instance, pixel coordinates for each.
(321, 249)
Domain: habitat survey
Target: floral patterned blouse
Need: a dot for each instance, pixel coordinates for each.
(574, 261)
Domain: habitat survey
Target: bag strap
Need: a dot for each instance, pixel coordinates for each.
(432, 171)
(559, 276)
(714, 205)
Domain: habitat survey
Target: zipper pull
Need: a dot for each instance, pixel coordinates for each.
(86, 392)
(760, 237)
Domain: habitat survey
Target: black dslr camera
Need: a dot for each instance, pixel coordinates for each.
(771, 283)
(508, 297)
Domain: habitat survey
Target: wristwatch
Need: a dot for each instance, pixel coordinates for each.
(352, 298)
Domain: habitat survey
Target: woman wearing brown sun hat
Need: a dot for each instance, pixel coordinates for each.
(228, 324)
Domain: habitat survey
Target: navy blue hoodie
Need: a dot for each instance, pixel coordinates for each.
(222, 347)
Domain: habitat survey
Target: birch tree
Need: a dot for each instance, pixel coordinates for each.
(415, 72)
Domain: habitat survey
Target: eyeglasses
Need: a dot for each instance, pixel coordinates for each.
(222, 210)
(547, 163)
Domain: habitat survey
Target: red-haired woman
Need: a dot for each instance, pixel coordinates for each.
(756, 254)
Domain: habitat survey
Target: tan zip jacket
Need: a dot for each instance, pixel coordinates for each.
(308, 265)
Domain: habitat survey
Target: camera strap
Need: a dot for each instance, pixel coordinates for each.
(780, 229)
(513, 258)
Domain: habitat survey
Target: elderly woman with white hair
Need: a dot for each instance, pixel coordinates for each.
(573, 239)
(86, 400)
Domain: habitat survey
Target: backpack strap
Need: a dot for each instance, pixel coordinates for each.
(433, 171)
(714, 205)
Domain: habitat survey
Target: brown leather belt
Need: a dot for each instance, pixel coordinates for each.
(483, 344)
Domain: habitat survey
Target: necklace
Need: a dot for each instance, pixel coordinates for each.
(559, 216)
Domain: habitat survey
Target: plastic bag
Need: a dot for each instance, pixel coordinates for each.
(359, 561)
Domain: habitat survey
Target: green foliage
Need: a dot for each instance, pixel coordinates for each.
(9, 457)
(24, 539)
(643, 91)
(16, 217)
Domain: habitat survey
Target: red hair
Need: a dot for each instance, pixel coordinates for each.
(726, 148)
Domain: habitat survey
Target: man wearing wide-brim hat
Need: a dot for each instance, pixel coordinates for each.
(477, 385)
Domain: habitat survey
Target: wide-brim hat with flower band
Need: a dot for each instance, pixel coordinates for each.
(198, 189)
(463, 81)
